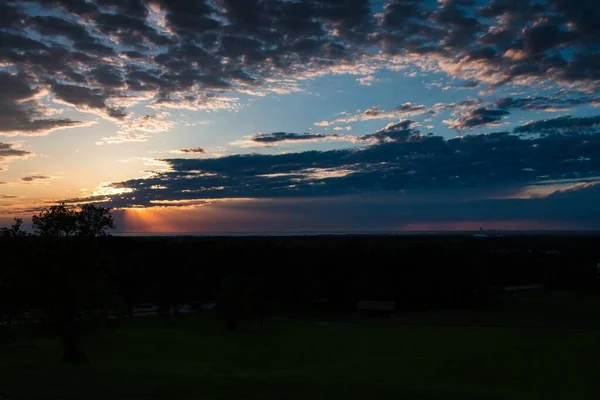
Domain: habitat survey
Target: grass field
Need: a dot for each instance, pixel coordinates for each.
(192, 359)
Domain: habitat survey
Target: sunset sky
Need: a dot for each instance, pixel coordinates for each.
(314, 115)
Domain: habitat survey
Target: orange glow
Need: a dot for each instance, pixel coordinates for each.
(146, 220)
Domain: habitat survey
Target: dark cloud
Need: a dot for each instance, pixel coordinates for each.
(395, 132)
(277, 137)
(566, 124)
(91, 51)
(50, 25)
(21, 113)
(409, 161)
(4, 196)
(478, 117)
(189, 18)
(108, 76)
(129, 29)
(193, 150)
(542, 103)
(94, 48)
(11, 15)
(32, 178)
(502, 40)
(88, 98)
(459, 25)
(8, 150)
(77, 7)
(410, 108)
(136, 8)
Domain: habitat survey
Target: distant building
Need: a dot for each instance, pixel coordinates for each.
(480, 235)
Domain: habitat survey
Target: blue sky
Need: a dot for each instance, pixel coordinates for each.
(259, 115)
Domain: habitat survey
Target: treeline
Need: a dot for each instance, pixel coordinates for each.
(62, 281)
(297, 271)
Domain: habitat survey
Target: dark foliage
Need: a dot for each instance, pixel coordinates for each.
(74, 284)
(62, 221)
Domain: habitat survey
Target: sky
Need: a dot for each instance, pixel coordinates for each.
(293, 116)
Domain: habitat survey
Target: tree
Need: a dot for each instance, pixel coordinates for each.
(72, 272)
(93, 221)
(61, 221)
(14, 230)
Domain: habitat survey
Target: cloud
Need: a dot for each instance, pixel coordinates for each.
(564, 125)
(10, 152)
(478, 117)
(51, 25)
(499, 42)
(140, 129)
(86, 99)
(395, 132)
(5, 197)
(367, 80)
(34, 178)
(374, 113)
(200, 55)
(271, 139)
(544, 103)
(21, 112)
(396, 159)
(192, 150)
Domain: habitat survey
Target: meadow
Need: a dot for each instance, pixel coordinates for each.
(193, 358)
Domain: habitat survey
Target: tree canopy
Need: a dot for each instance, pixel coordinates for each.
(14, 230)
(61, 221)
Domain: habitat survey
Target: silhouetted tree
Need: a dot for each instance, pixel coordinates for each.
(94, 221)
(74, 286)
(61, 221)
(55, 221)
(14, 230)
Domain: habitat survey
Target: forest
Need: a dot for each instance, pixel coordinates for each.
(70, 273)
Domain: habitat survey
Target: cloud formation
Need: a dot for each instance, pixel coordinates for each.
(10, 152)
(20, 109)
(396, 159)
(95, 55)
(478, 117)
(192, 150)
(275, 138)
(34, 178)
(375, 113)
(140, 129)
(566, 125)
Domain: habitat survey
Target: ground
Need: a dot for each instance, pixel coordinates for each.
(191, 359)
